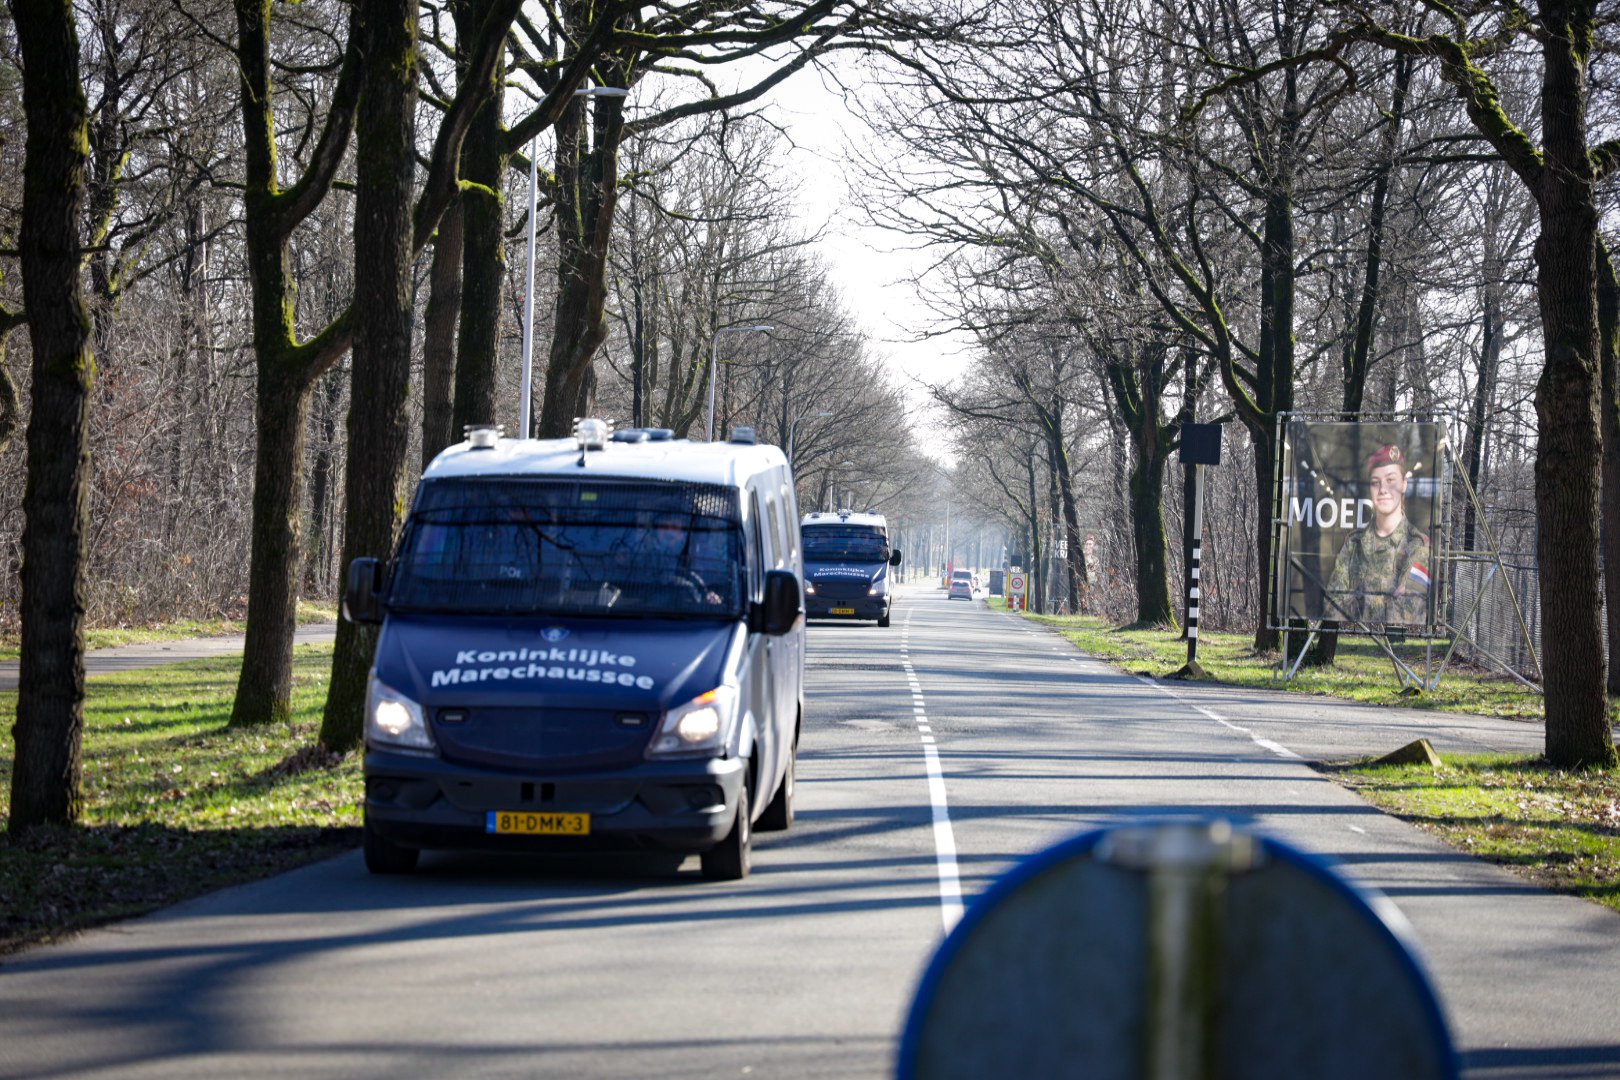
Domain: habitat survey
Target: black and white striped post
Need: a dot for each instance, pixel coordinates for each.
(1195, 557)
(1200, 446)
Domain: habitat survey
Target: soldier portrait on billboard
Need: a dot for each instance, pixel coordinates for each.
(1382, 572)
(1360, 505)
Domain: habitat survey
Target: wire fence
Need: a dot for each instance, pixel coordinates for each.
(1481, 609)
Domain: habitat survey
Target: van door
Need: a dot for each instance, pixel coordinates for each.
(792, 648)
(762, 665)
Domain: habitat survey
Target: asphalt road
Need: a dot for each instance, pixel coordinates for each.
(936, 754)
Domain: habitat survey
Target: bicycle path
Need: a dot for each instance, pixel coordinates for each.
(157, 653)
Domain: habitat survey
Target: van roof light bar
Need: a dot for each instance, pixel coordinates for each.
(744, 434)
(483, 436)
(591, 434)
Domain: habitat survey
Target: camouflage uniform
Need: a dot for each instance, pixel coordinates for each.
(1382, 579)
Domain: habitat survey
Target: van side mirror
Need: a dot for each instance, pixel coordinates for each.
(783, 608)
(362, 592)
(894, 557)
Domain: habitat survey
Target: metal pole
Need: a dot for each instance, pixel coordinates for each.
(714, 361)
(714, 353)
(526, 410)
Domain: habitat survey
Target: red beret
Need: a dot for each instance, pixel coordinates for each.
(1388, 454)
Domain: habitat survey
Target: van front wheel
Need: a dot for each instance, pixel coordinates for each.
(729, 859)
(778, 813)
(383, 856)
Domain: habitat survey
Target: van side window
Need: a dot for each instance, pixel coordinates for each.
(773, 517)
(790, 523)
(756, 553)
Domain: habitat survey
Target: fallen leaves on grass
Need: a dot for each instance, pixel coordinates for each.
(304, 759)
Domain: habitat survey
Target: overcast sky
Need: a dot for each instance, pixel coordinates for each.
(871, 265)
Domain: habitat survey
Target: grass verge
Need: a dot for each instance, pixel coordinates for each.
(106, 637)
(1561, 830)
(1361, 671)
(176, 803)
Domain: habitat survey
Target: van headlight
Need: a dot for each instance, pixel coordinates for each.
(394, 720)
(698, 727)
(809, 588)
(876, 589)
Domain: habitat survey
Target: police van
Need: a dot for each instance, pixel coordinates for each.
(587, 642)
(846, 566)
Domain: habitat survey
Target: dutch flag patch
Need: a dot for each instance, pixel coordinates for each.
(1420, 575)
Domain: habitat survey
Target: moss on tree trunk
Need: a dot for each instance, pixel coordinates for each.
(45, 778)
(379, 429)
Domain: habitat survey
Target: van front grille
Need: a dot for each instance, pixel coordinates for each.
(542, 740)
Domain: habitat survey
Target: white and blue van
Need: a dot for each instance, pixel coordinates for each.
(846, 566)
(587, 642)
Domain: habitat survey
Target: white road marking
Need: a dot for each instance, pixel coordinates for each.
(950, 881)
(950, 878)
(1358, 829)
(1265, 744)
(1276, 748)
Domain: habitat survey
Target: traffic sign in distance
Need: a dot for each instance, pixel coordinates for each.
(1016, 583)
(1176, 950)
(1200, 444)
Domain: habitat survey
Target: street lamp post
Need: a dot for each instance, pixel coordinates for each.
(526, 409)
(714, 354)
(793, 430)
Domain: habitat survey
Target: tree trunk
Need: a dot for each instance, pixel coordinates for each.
(1608, 296)
(478, 343)
(1490, 362)
(379, 428)
(439, 336)
(45, 778)
(1138, 397)
(264, 690)
(1264, 440)
(587, 194)
(321, 477)
(1036, 585)
(1569, 434)
(1058, 456)
(1359, 359)
(10, 400)
(1154, 606)
(287, 370)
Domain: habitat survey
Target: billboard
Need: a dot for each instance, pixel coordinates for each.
(1361, 505)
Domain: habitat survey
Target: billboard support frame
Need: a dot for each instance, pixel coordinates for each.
(1410, 680)
(1498, 571)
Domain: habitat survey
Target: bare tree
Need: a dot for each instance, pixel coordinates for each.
(45, 781)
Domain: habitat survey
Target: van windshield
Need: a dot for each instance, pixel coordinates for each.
(571, 547)
(845, 543)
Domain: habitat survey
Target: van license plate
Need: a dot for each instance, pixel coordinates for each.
(843, 611)
(532, 823)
